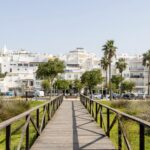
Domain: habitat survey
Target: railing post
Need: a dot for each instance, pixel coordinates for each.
(37, 119)
(8, 137)
(119, 136)
(142, 137)
(48, 112)
(96, 111)
(27, 135)
(92, 108)
(108, 121)
(86, 103)
(44, 121)
(101, 111)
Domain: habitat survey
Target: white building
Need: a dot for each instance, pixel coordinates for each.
(20, 67)
(77, 62)
(135, 72)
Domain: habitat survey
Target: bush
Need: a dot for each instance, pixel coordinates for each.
(10, 109)
(119, 104)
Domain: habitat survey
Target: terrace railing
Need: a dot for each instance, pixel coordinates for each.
(96, 109)
(37, 116)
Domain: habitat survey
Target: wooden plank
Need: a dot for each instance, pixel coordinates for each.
(72, 128)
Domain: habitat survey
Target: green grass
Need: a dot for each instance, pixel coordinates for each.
(16, 128)
(131, 127)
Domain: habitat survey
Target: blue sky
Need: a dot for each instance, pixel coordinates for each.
(57, 26)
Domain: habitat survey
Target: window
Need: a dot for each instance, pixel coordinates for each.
(31, 65)
(10, 69)
(19, 64)
(69, 76)
(31, 83)
(26, 65)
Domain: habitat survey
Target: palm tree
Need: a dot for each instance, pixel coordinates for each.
(121, 65)
(104, 64)
(146, 62)
(109, 51)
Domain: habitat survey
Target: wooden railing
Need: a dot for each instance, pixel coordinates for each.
(96, 109)
(34, 117)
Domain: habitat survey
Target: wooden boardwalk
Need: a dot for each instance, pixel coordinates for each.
(72, 128)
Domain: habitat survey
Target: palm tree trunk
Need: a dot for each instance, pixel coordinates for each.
(106, 79)
(110, 89)
(106, 82)
(121, 85)
(148, 80)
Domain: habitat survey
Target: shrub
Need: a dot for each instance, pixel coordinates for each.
(120, 104)
(10, 109)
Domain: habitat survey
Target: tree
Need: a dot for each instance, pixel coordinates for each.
(109, 51)
(62, 85)
(121, 65)
(105, 64)
(128, 86)
(78, 85)
(49, 70)
(146, 62)
(116, 80)
(91, 78)
(45, 85)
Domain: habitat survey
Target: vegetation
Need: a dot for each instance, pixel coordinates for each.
(12, 108)
(121, 65)
(9, 109)
(45, 86)
(109, 52)
(116, 80)
(78, 85)
(61, 84)
(2, 75)
(49, 70)
(131, 127)
(128, 86)
(104, 65)
(90, 79)
(146, 62)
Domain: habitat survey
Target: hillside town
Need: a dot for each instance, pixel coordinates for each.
(18, 69)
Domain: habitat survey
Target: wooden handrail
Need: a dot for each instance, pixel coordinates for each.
(98, 109)
(49, 109)
(18, 117)
(141, 121)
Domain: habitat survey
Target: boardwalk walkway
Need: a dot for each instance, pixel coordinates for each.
(72, 128)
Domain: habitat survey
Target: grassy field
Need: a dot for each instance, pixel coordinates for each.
(12, 109)
(137, 108)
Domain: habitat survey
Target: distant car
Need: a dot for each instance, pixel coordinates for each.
(129, 96)
(99, 96)
(114, 96)
(38, 93)
(141, 96)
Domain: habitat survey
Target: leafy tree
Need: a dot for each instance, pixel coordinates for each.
(116, 80)
(105, 64)
(45, 85)
(109, 51)
(121, 65)
(2, 75)
(78, 85)
(49, 70)
(146, 62)
(128, 86)
(62, 85)
(92, 78)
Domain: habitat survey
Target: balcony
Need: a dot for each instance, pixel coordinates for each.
(136, 76)
(136, 68)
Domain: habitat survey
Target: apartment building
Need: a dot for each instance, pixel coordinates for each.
(135, 72)
(77, 62)
(20, 67)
